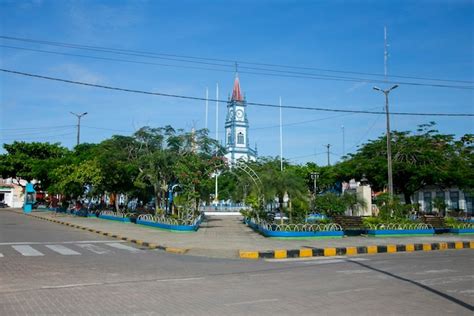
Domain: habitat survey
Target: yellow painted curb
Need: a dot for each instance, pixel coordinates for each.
(391, 248)
(152, 246)
(350, 251)
(280, 254)
(248, 254)
(471, 244)
(306, 252)
(443, 246)
(139, 242)
(458, 245)
(328, 252)
(410, 247)
(371, 249)
(426, 247)
(176, 250)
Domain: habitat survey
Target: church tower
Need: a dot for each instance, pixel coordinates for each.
(237, 128)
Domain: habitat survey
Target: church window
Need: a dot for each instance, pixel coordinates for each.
(229, 138)
(240, 138)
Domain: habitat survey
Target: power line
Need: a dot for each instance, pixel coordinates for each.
(194, 59)
(279, 73)
(214, 100)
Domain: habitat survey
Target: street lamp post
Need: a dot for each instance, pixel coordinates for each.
(78, 125)
(389, 144)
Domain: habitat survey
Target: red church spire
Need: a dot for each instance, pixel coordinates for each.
(236, 94)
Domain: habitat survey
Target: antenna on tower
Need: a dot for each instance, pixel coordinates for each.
(385, 52)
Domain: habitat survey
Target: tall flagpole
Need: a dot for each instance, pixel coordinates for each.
(207, 106)
(281, 141)
(217, 138)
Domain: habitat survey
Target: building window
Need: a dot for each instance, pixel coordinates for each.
(469, 203)
(229, 139)
(440, 195)
(240, 138)
(454, 200)
(427, 201)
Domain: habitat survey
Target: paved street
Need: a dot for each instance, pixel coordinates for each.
(46, 268)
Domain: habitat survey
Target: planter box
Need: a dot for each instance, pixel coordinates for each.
(462, 231)
(294, 234)
(183, 228)
(115, 218)
(400, 232)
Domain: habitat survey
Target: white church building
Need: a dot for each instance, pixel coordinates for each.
(237, 128)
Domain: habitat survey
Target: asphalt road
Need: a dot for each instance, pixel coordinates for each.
(50, 269)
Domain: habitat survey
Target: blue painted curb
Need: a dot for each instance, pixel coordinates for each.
(115, 218)
(400, 232)
(461, 230)
(169, 226)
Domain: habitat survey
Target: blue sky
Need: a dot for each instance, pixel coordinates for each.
(427, 39)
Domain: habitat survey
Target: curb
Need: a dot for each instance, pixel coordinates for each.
(135, 241)
(350, 251)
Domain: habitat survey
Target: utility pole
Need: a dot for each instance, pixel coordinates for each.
(328, 146)
(387, 113)
(281, 141)
(343, 141)
(78, 125)
(389, 142)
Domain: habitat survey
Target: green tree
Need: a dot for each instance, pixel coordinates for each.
(419, 159)
(30, 161)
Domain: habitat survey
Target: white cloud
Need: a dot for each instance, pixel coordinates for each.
(356, 86)
(78, 73)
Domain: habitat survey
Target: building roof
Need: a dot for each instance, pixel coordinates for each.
(236, 94)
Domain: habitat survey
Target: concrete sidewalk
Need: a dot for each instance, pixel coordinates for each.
(228, 237)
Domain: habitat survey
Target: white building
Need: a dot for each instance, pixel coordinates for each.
(237, 128)
(454, 198)
(11, 193)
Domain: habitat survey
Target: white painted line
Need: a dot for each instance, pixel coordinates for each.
(63, 250)
(123, 247)
(27, 251)
(253, 302)
(183, 279)
(69, 285)
(353, 271)
(350, 291)
(94, 248)
(322, 259)
(60, 242)
(1, 255)
(435, 271)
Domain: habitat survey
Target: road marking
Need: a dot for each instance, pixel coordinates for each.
(447, 280)
(1, 255)
(350, 291)
(435, 271)
(253, 302)
(353, 271)
(63, 250)
(317, 260)
(94, 248)
(60, 242)
(123, 247)
(183, 279)
(69, 285)
(27, 251)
